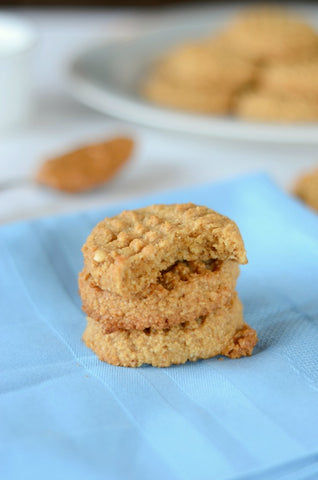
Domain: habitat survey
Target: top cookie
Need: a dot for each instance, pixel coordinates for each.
(204, 64)
(272, 34)
(128, 252)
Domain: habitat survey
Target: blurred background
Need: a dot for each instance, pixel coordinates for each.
(58, 122)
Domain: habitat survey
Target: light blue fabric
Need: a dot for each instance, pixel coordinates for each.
(66, 415)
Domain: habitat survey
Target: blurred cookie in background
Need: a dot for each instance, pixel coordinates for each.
(202, 65)
(272, 34)
(262, 66)
(198, 77)
(161, 90)
(261, 105)
(306, 188)
(86, 168)
(298, 80)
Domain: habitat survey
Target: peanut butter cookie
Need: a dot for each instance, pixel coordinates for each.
(183, 292)
(206, 65)
(296, 80)
(163, 91)
(127, 253)
(271, 34)
(223, 332)
(262, 105)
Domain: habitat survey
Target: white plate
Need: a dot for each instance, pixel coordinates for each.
(106, 77)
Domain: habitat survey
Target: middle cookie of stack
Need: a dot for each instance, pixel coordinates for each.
(183, 292)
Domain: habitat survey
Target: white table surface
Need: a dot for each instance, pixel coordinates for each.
(162, 161)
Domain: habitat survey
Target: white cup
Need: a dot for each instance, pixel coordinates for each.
(17, 39)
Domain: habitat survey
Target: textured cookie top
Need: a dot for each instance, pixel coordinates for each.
(127, 253)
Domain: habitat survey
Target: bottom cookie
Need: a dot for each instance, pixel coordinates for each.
(219, 333)
(268, 107)
(204, 100)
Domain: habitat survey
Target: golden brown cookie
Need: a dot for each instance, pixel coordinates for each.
(86, 167)
(161, 90)
(183, 292)
(222, 42)
(223, 332)
(306, 189)
(127, 253)
(271, 34)
(199, 76)
(204, 65)
(297, 80)
(266, 106)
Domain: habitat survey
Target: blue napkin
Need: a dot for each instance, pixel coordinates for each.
(66, 415)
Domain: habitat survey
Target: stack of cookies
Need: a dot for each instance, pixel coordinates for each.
(286, 50)
(262, 66)
(158, 286)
